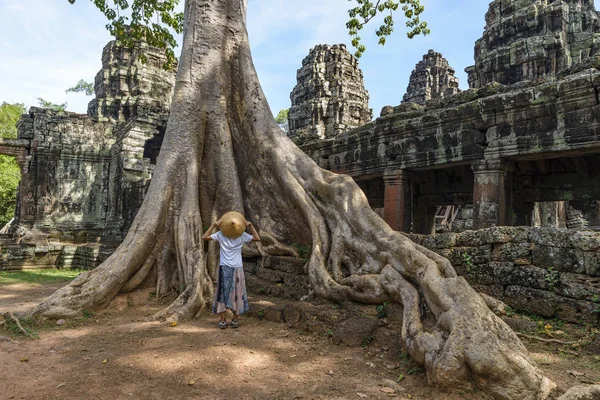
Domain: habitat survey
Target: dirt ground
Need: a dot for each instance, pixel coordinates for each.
(119, 354)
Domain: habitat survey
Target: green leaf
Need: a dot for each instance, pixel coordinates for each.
(282, 116)
(50, 105)
(360, 16)
(9, 115)
(151, 20)
(82, 86)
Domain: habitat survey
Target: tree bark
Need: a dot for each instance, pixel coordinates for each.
(223, 151)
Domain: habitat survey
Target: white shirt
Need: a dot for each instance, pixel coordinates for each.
(231, 249)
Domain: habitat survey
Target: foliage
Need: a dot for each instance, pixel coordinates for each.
(150, 20)
(282, 116)
(408, 366)
(13, 329)
(382, 310)
(468, 261)
(596, 300)
(366, 10)
(50, 105)
(38, 276)
(10, 174)
(9, 115)
(367, 340)
(303, 250)
(510, 311)
(552, 278)
(82, 86)
(282, 120)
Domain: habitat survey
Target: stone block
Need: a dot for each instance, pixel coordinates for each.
(441, 241)
(578, 286)
(456, 255)
(540, 302)
(494, 235)
(550, 237)
(585, 240)
(290, 265)
(528, 276)
(494, 273)
(295, 282)
(511, 251)
(561, 259)
(496, 291)
(578, 311)
(592, 263)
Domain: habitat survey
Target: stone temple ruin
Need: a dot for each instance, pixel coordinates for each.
(330, 96)
(516, 156)
(432, 78)
(520, 137)
(85, 176)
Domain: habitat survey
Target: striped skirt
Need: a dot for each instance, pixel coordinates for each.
(231, 291)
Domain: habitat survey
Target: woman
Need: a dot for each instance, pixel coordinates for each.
(231, 284)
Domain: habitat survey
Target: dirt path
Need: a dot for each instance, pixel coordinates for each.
(22, 296)
(117, 354)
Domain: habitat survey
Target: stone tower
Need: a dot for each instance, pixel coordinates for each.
(330, 95)
(128, 88)
(530, 39)
(432, 78)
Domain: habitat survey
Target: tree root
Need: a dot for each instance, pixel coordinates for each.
(539, 339)
(18, 323)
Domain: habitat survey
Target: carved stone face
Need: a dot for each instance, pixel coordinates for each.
(233, 224)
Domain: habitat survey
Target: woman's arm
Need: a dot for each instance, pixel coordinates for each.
(210, 229)
(255, 236)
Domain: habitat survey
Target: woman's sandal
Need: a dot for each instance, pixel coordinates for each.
(222, 324)
(235, 324)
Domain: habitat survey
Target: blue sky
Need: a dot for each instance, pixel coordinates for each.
(48, 45)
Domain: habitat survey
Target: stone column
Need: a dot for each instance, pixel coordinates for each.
(491, 193)
(398, 199)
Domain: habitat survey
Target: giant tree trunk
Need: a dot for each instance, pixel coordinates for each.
(223, 151)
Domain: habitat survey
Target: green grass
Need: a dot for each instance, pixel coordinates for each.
(38, 276)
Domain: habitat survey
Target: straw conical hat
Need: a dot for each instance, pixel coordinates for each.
(233, 224)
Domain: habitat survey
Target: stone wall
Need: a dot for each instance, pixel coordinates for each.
(43, 253)
(547, 271)
(277, 276)
(330, 96)
(64, 179)
(432, 78)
